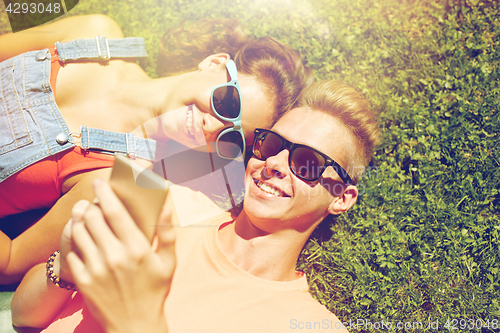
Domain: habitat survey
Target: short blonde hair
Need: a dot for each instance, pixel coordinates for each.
(353, 111)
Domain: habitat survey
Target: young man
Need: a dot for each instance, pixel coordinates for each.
(233, 274)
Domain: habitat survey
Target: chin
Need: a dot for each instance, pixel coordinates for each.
(258, 211)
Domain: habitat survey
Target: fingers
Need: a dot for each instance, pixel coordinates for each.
(117, 216)
(98, 230)
(86, 246)
(66, 233)
(78, 210)
(104, 235)
(77, 213)
(78, 269)
(91, 236)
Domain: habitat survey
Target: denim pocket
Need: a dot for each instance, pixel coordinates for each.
(13, 129)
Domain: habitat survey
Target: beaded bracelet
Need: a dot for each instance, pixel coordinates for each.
(54, 278)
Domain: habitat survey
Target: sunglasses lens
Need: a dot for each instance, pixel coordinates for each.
(266, 145)
(230, 144)
(306, 163)
(226, 102)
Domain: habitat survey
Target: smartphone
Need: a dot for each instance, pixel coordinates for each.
(141, 191)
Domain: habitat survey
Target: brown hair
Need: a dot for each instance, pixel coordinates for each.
(269, 61)
(348, 106)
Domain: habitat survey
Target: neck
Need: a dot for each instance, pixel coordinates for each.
(270, 256)
(167, 93)
(153, 97)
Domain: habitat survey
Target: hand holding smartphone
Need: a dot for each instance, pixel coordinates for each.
(143, 196)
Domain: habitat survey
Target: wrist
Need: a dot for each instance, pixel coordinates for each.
(63, 274)
(136, 324)
(53, 273)
(57, 265)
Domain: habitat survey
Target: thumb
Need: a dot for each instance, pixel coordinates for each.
(78, 210)
(67, 230)
(77, 213)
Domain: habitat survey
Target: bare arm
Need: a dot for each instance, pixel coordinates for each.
(70, 28)
(35, 244)
(37, 301)
(123, 280)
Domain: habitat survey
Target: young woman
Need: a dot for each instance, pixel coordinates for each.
(233, 274)
(51, 129)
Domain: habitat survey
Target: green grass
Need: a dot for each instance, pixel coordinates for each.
(422, 243)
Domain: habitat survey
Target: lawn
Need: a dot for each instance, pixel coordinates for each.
(420, 250)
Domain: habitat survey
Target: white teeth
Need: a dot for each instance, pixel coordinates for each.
(189, 121)
(268, 189)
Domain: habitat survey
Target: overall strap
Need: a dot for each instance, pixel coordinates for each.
(101, 48)
(124, 143)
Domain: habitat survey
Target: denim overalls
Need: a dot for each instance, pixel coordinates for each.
(31, 125)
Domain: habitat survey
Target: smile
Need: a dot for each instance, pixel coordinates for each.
(270, 189)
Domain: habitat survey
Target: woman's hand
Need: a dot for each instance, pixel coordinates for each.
(61, 267)
(123, 280)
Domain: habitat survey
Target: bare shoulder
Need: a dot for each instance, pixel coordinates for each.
(89, 26)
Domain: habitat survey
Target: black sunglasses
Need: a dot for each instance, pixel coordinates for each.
(305, 162)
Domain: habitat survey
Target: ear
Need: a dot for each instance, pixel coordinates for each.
(345, 201)
(214, 60)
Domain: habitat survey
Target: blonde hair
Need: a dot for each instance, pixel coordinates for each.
(269, 61)
(353, 111)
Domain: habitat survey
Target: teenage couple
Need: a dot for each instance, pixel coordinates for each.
(232, 273)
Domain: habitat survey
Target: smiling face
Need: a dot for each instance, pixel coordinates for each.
(197, 124)
(276, 199)
(257, 110)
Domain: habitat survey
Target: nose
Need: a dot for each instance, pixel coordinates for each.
(212, 126)
(277, 165)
